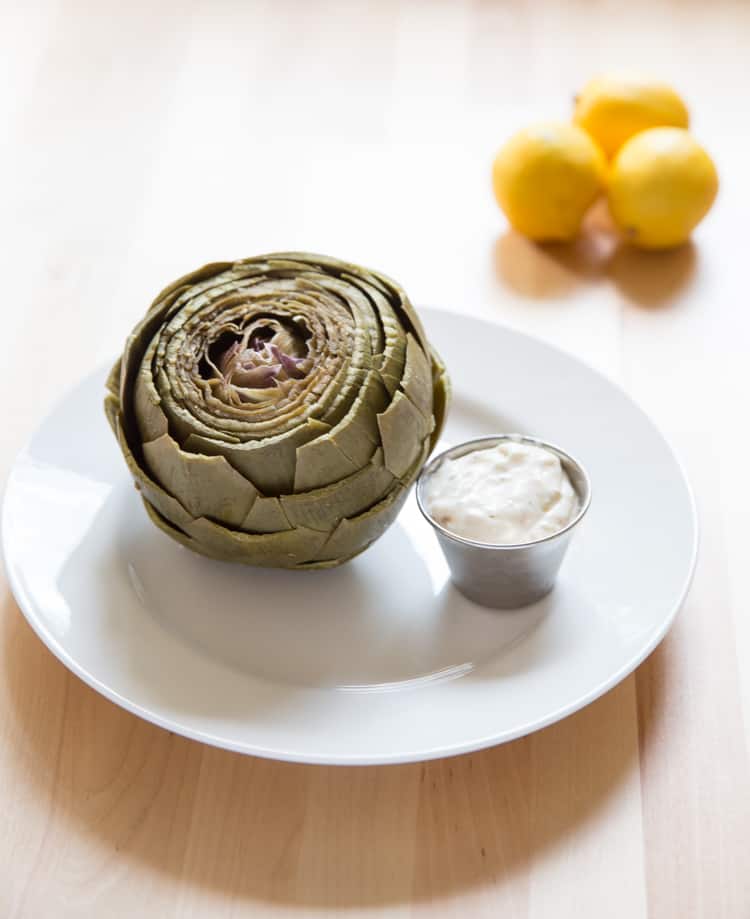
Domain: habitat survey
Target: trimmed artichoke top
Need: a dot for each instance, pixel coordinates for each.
(274, 410)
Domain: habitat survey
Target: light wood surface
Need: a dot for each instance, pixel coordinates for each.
(142, 139)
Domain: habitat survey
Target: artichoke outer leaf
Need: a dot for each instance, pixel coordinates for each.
(441, 398)
(356, 437)
(390, 382)
(390, 362)
(408, 477)
(321, 462)
(207, 485)
(417, 380)
(141, 340)
(354, 534)
(266, 516)
(285, 549)
(112, 412)
(173, 531)
(270, 463)
(323, 508)
(188, 281)
(113, 379)
(150, 418)
(167, 505)
(402, 429)
(357, 434)
(223, 550)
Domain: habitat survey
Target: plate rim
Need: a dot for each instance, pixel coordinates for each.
(27, 606)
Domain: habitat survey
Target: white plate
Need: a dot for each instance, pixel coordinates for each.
(382, 660)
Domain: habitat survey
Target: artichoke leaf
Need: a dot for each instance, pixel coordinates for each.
(322, 508)
(112, 412)
(289, 549)
(357, 433)
(408, 477)
(191, 280)
(173, 531)
(356, 436)
(417, 381)
(286, 549)
(147, 405)
(113, 379)
(321, 462)
(266, 516)
(390, 362)
(168, 506)
(441, 388)
(208, 486)
(402, 429)
(354, 534)
(269, 463)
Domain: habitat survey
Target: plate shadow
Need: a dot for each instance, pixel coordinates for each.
(309, 836)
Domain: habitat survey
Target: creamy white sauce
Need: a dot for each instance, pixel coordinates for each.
(509, 494)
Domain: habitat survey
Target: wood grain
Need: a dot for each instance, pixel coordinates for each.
(142, 139)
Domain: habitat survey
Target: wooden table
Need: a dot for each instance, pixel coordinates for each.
(142, 139)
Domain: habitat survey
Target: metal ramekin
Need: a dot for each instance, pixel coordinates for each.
(505, 576)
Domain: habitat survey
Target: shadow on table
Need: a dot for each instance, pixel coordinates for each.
(557, 270)
(313, 836)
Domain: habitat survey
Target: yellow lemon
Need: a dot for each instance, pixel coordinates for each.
(661, 185)
(546, 177)
(614, 108)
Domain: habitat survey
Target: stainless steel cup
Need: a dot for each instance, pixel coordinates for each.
(501, 576)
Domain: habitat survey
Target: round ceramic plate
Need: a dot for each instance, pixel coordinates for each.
(379, 661)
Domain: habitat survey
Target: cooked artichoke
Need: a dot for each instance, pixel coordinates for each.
(275, 410)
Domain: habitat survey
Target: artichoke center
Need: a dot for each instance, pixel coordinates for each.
(263, 356)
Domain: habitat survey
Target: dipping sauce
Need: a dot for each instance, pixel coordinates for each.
(505, 495)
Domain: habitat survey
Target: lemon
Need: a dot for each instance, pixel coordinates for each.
(661, 184)
(614, 108)
(545, 178)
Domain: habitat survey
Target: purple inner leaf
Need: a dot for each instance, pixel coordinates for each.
(289, 363)
(257, 377)
(261, 363)
(259, 339)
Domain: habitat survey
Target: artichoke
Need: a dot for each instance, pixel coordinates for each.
(275, 410)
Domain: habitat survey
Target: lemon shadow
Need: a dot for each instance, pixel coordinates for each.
(541, 271)
(653, 279)
(237, 825)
